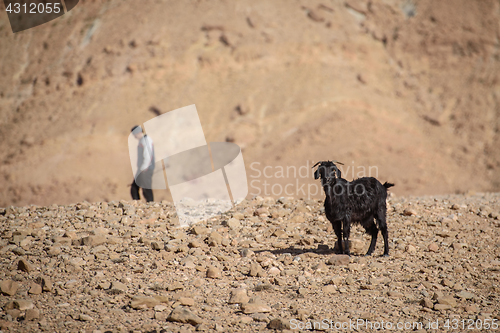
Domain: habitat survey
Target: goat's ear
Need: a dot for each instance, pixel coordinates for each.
(316, 174)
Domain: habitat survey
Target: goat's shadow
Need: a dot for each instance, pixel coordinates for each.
(320, 250)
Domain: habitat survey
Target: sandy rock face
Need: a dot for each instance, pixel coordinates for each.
(255, 275)
(410, 62)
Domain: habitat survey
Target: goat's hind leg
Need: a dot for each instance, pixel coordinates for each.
(385, 234)
(371, 229)
(382, 225)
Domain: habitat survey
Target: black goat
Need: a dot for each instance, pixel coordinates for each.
(360, 201)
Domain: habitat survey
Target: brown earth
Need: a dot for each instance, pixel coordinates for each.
(265, 265)
(410, 88)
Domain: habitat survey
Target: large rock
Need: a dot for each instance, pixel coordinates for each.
(465, 295)
(213, 273)
(233, 223)
(35, 289)
(409, 212)
(187, 301)
(45, 282)
(339, 260)
(442, 307)
(214, 239)
(199, 230)
(239, 296)
(426, 303)
(279, 324)
(24, 265)
(255, 305)
(175, 286)
(85, 317)
(183, 315)
(23, 304)
(93, 240)
(255, 270)
(433, 247)
(448, 300)
(9, 287)
(32, 314)
(118, 288)
(357, 246)
(143, 302)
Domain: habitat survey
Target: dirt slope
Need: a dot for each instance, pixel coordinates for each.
(409, 88)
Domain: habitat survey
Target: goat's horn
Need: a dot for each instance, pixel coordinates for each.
(315, 164)
(338, 162)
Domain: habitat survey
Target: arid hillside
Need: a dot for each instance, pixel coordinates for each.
(409, 88)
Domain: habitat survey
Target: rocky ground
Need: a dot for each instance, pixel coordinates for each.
(267, 264)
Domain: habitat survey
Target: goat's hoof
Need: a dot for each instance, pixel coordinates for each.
(386, 254)
(368, 255)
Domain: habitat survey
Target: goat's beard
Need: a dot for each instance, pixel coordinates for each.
(328, 182)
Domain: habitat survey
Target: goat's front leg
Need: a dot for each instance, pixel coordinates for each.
(337, 227)
(346, 226)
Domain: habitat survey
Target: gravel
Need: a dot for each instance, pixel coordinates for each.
(264, 265)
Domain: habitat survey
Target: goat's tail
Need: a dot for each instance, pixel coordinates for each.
(387, 185)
